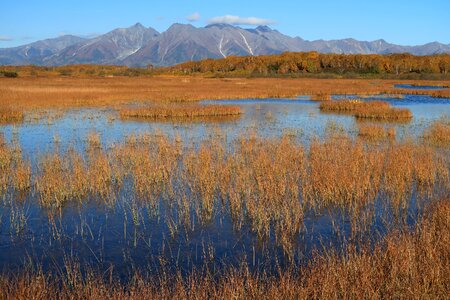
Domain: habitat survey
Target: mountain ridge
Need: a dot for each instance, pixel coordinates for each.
(139, 46)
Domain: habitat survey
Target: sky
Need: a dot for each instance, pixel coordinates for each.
(402, 22)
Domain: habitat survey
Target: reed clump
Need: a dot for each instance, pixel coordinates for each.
(267, 184)
(352, 106)
(321, 97)
(181, 111)
(375, 110)
(384, 114)
(69, 177)
(9, 115)
(15, 172)
(375, 132)
(438, 133)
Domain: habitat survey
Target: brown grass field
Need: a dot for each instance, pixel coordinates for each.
(65, 92)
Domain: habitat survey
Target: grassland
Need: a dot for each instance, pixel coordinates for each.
(27, 93)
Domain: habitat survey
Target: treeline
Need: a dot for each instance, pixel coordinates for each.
(312, 64)
(316, 63)
(75, 71)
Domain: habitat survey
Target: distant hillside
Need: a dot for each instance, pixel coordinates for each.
(138, 46)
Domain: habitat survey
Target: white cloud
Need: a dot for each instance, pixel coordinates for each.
(194, 17)
(5, 38)
(236, 20)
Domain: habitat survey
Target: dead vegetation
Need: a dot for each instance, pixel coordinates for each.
(405, 264)
(266, 183)
(375, 132)
(181, 112)
(372, 110)
(438, 133)
(67, 92)
(8, 115)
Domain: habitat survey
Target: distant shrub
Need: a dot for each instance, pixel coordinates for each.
(65, 72)
(9, 74)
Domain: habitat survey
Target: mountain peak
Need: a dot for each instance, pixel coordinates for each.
(137, 46)
(263, 28)
(138, 25)
(178, 26)
(220, 25)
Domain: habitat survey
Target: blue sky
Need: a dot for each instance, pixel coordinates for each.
(398, 21)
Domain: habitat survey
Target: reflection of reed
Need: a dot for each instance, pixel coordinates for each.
(267, 183)
(408, 263)
(265, 187)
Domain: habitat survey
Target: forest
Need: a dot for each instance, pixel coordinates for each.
(294, 64)
(315, 63)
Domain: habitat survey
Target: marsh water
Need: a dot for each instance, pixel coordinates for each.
(102, 236)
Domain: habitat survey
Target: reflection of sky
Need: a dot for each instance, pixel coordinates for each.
(421, 87)
(267, 117)
(270, 117)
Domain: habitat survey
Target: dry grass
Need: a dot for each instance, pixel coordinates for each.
(438, 133)
(266, 183)
(15, 172)
(406, 265)
(321, 97)
(352, 106)
(373, 132)
(8, 115)
(72, 177)
(384, 114)
(65, 92)
(181, 111)
(374, 110)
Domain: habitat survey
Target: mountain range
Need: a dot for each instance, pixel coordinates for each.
(139, 46)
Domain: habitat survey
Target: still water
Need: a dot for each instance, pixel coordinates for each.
(98, 235)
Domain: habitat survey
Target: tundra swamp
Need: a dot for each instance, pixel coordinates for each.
(272, 191)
